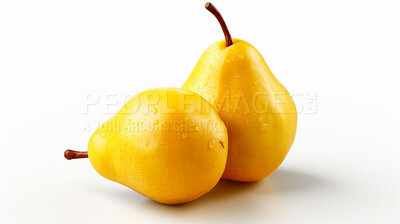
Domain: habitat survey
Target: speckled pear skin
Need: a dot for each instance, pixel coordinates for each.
(258, 111)
(161, 144)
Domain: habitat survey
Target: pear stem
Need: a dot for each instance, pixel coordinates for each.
(71, 154)
(211, 8)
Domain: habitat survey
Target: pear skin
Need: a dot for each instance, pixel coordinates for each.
(258, 111)
(168, 144)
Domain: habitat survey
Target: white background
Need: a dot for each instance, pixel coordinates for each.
(58, 56)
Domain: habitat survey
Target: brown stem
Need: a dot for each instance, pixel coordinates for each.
(71, 154)
(210, 7)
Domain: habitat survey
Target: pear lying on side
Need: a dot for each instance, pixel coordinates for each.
(258, 111)
(167, 144)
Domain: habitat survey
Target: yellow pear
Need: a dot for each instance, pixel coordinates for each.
(168, 144)
(258, 111)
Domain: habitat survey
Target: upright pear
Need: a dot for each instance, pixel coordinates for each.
(168, 144)
(258, 111)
